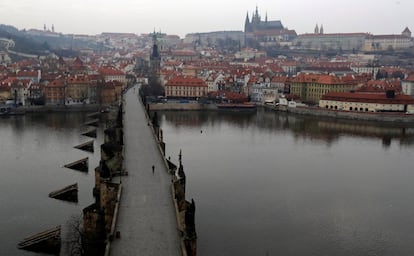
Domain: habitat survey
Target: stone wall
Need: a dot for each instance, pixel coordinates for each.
(181, 106)
(99, 218)
(366, 116)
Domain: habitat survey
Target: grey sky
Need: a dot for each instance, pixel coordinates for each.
(187, 16)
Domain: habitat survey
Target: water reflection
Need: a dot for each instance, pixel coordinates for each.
(34, 149)
(307, 128)
(274, 184)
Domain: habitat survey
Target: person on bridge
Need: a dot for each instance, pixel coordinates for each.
(153, 168)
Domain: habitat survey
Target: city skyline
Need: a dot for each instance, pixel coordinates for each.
(188, 16)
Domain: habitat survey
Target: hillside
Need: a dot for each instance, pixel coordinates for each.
(43, 44)
(23, 43)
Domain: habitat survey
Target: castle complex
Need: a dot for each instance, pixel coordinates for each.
(272, 33)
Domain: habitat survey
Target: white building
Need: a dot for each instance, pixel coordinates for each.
(367, 102)
(408, 85)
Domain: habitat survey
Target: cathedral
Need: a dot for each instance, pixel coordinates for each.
(265, 32)
(257, 24)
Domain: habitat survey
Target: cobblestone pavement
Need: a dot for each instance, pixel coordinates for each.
(147, 220)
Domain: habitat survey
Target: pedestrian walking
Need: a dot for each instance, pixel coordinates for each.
(153, 168)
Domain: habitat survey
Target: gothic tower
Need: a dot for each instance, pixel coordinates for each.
(155, 57)
(316, 30)
(247, 26)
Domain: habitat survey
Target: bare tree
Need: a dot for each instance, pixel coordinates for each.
(73, 240)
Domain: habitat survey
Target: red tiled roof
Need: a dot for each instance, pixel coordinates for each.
(368, 97)
(9, 80)
(322, 79)
(183, 53)
(110, 71)
(410, 78)
(27, 74)
(279, 79)
(186, 81)
(56, 83)
(381, 86)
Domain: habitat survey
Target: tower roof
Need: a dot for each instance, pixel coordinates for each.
(406, 30)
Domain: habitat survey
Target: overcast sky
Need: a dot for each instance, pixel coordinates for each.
(180, 17)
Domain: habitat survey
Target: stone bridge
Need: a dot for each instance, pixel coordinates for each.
(140, 206)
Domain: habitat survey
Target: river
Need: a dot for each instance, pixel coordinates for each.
(34, 149)
(269, 183)
(264, 183)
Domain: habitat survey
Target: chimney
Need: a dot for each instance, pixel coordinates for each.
(390, 94)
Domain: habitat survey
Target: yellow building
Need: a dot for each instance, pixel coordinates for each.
(77, 88)
(311, 87)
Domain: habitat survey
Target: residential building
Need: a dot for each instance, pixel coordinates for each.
(186, 87)
(4, 92)
(55, 92)
(184, 55)
(33, 75)
(77, 90)
(108, 92)
(112, 74)
(249, 54)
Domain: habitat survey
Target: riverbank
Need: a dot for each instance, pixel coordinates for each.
(60, 108)
(194, 106)
(387, 117)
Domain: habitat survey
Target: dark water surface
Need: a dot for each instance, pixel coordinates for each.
(33, 150)
(273, 184)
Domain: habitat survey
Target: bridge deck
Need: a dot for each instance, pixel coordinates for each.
(147, 220)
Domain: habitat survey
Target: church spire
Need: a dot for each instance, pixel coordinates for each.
(316, 31)
(247, 18)
(256, 17)
(321, 29)
(266, 17)
(247, 23)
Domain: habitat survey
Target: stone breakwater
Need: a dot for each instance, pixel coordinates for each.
(364, 116)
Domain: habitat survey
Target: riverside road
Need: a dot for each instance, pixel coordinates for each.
(147, 221)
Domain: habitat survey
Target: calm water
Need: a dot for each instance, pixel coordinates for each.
(33, 150)
(272, 184)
